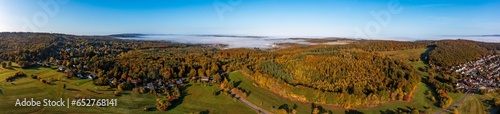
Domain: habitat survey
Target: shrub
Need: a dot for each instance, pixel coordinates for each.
(17, 75)
(117, 92)
(43, 81)
(496, 101)
(162, 104)
(34, 76)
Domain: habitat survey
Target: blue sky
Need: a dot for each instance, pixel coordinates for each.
(346, 18)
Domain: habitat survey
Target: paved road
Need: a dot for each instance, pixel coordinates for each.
(455, 105)
(251, 105)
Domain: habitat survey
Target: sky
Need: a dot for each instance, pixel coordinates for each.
(328, 18)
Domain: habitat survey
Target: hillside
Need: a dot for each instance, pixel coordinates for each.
(363, 73)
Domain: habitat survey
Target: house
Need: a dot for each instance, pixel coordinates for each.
(159, 84)
(150, 86)
(206, 79)
(133, 81)
(178, 82)
(111, 80)
(62, 68)
(79, 75)
(91, 76)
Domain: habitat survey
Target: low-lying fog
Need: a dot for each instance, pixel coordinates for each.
(231, 41)
(268, 42)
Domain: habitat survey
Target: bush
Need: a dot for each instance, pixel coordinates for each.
(483, 91)
(433, 99)
(43, 81)
(139, 90)
(34, 76)
(496, 102)
(162, 104)
(101, 81)
(117, 92)
(15, 76)
(23, 64)
(4, 65)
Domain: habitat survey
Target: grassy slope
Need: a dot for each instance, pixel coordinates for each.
(199, 98)
(263, 98)
(419, 101)
(405, 54)
(480, 104)
(260, 96)
(472, 106)
(415, 53)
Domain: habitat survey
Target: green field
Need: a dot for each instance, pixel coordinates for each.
(405, 54)
(418, 101)
(200, 98)
(266, 99)
(480, 104)
(196, 98)
(472, 106)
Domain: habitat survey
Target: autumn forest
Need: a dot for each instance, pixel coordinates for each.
(345, 76)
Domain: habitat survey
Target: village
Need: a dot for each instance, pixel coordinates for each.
(481, 75)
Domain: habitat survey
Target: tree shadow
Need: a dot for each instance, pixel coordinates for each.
(425, 56)
(32, 68)
(15, 78)
(237, 83)
(493, 109)
(350, 111)
(248, 93)
(432, 90)
(402, 110)
(323, 110)
(387, 112)
(205, 112)
(72, 89)
(285, 107)
(180, 100)
(9, 68)
(1, 91)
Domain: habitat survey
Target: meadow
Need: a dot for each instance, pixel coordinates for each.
(199, 98)
(268, 100)
(196, 97)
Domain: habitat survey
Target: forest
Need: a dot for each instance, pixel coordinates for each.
(453, 52)
(343, 75)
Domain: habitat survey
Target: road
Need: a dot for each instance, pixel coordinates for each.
(251, 105)
(455, 104)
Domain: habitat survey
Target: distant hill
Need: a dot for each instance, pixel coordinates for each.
(484, 35)
(127, 35)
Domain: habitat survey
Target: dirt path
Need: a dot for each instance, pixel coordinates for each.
(251, 105)
(455, 104)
